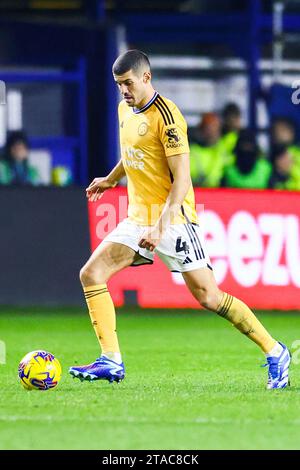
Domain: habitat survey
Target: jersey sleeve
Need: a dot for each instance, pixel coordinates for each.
(173, 131)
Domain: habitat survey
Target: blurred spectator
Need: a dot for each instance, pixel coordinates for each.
(283, 131)
(250, 170)
(232, 123)
(285, 173)
(208, 152)
(15, 168)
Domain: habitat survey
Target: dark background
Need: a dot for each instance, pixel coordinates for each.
(44, 242)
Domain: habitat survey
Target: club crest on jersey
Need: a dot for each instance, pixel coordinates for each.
(143, 128)
(173, 138)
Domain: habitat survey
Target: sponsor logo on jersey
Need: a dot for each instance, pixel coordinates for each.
(174, 140)
(133, 158)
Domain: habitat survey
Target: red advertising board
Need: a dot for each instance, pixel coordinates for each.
(252, 237)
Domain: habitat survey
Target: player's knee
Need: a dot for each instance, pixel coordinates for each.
(207, 298)
(88, 276)
(83, 275)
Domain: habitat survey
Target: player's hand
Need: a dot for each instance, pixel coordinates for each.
(150, 238)
(97, 187)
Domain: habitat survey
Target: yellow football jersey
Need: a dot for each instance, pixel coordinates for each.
(148, 136)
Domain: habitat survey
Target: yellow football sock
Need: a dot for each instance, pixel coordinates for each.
(103, 317)
(235, 311)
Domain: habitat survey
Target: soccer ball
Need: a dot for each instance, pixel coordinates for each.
(39, 370)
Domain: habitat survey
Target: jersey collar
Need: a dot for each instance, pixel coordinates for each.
(141, 110)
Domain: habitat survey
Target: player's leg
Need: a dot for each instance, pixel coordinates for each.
(202, 284)
(182, 249)
(106, 260)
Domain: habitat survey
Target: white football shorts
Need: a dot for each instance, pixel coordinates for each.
(181, 248)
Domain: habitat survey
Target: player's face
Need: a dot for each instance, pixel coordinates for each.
(133, 87)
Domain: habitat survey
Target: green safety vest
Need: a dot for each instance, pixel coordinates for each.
(229, 140)
(258, 178)
(208, 163)
(295, 152)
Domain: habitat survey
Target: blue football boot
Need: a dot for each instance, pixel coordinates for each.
(102, 369)
(278, 374)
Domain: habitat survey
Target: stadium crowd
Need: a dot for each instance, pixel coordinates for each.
(223, 154)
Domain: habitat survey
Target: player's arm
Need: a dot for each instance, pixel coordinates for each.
(97, 187)
(179, 166)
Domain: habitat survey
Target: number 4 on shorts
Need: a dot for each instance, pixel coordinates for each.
(182, 246)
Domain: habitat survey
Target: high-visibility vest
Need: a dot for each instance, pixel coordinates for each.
(258, 178)
(208, 163)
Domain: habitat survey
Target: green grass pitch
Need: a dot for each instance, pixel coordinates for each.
(193, 382)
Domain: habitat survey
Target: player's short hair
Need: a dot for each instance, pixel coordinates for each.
(133, 59)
